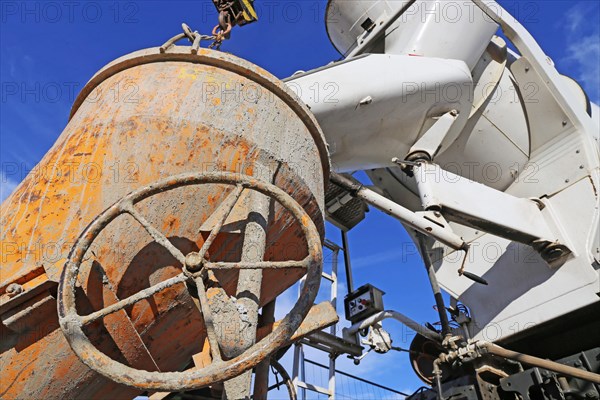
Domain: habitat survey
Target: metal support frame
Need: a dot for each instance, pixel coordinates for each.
(380, 316)
(431, 141)
(360, 379)
(248, 289)
(435, 287)
(531, 50)
(421, 222)
(347, 264)
(261, 372)
(332, 330)
(329, 343)
(473, 204)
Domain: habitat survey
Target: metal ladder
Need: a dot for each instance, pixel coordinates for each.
(323, 341)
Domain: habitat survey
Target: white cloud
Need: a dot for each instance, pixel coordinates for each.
(371, 260)
(583, 48)
(574, 18)
(7, 186)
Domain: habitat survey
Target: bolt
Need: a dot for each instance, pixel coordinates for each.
(14, 289)
(553, 252)
(567, 181)
(437, 214)
(577, 363)
(193, 262)
(546, 374)
(564, 123)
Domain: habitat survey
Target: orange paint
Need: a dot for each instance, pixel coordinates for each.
(160, 124)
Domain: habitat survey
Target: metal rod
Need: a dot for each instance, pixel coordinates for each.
(412, 324)
(437, 373)
(144, 294)
(261, 373)
(302, 371)
(251, 265)
(223, 211)
(347, 264)
(171, 42)
(215, 350)
(415, 221)
(333, 329)
(435, 287)
(298, 367)
(158, 236)
(538, 362)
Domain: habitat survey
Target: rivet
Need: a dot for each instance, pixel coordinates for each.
(14, 289)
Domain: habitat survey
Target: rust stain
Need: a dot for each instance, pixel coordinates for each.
(158, 126)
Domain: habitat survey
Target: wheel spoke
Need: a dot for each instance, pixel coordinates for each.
(208, 320)
(156, 234)
(225, 208)
(257, 265)
(144, 294)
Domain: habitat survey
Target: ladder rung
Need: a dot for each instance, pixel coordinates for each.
(314, 388)
(328, 277)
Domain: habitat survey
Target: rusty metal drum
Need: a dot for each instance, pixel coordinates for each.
(145, 117)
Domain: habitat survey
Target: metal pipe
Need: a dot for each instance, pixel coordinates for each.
(261, 372)
(437, 374)
(435, 287)
(347, 265)
(405, 215)
(410, 323)
(333, 329)
(538, 362)
(249, 288)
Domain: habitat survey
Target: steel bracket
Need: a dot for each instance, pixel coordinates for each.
(430, 143)
(24, 297)
(469, 203)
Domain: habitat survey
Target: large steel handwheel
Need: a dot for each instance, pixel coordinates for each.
(195, 266)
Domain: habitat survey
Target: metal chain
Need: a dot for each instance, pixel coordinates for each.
(195, 37)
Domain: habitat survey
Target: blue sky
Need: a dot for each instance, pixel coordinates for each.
(48, 50)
